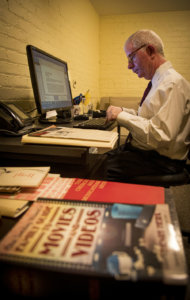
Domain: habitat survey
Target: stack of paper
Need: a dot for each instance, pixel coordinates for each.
(72, 137)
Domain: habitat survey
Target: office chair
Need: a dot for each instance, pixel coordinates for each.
(161, 180)
(165, 180)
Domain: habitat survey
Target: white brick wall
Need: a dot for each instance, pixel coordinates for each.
(92, 46)
(68, 29)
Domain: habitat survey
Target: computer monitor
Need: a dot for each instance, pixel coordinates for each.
(51, 86)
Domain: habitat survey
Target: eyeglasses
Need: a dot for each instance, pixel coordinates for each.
(132, 54)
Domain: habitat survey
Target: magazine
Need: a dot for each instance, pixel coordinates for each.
(125, 242)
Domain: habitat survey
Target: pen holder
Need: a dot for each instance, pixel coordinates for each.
(75, 110)
(88, 110)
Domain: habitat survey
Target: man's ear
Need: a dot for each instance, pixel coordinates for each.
(150, 50)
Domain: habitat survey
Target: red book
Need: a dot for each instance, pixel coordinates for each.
(107, 191)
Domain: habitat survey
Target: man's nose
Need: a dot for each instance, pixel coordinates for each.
(130, 65)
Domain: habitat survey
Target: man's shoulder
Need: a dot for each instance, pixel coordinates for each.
(170, 76)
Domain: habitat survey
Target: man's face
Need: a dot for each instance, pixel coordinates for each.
(139, 61)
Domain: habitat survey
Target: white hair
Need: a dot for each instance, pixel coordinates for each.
(147, 37)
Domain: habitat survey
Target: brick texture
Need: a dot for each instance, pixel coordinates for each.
(68, 29)
(91, 45)
(173, 28)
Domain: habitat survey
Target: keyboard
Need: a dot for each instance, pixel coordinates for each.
(95, 123)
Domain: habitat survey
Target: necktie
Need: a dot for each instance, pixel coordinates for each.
(146, 92)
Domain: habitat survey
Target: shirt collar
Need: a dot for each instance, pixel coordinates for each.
(162, 69)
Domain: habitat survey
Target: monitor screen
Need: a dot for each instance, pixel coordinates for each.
(50, 81)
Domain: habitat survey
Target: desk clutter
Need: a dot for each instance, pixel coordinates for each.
(79, 228)
(56, 187)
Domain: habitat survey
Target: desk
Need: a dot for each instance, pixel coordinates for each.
(65, 160)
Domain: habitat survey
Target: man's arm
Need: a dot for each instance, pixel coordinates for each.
(169, 123)
(113, 112)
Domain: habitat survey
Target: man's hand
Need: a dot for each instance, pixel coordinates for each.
(112, 112)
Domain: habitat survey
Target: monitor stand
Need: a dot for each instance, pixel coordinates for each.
(63, 118)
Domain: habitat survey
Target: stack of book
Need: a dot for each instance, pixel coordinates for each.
(90, 239)
(30, 184)
(53, 186)
(12, 180)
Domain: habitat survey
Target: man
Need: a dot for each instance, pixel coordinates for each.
(160, 130)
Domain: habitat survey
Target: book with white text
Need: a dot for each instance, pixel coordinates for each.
(83, 189)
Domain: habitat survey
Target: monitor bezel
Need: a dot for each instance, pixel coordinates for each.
(33, 76)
